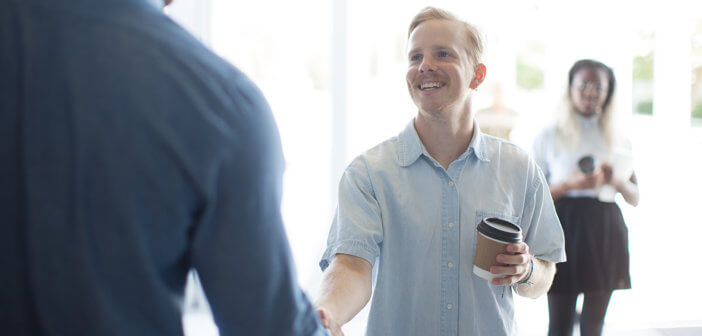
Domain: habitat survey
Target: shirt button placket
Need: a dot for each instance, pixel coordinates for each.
(452, 313)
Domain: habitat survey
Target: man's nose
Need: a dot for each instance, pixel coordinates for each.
(427, 64)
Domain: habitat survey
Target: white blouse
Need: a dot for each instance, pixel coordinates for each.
(560, 161)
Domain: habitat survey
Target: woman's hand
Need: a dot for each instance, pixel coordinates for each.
(578, 180)
(607, 173)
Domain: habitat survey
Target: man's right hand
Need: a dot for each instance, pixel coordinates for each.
(345, 289)
(329, 323)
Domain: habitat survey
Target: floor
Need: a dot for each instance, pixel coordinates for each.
(201, 324)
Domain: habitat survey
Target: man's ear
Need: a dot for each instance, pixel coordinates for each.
(478, 76)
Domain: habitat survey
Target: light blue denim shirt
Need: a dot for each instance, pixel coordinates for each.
(415, 222)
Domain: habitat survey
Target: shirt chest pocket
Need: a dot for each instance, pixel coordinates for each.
(481, 214)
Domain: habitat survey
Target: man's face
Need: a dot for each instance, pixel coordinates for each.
(439, 74)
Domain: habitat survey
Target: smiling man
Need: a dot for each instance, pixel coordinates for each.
(409, 208)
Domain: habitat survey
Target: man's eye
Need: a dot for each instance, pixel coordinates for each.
(443, 54)
(415, 57)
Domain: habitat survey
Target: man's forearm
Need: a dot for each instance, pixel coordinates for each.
(542, 277)
(345, 288)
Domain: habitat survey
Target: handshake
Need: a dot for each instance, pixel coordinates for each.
(329, 323)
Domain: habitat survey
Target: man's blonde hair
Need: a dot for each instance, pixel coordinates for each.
(474, 43)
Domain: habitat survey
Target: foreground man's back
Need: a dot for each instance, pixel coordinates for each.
(128, 155)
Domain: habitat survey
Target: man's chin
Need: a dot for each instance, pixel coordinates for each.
(431, 109)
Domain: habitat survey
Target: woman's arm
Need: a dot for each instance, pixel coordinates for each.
(629, 189)
(577, 180)
(559, 190)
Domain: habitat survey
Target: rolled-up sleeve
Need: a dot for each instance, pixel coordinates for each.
(357, 226)
(545, 234)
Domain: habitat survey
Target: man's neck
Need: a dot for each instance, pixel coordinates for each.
(445, 136)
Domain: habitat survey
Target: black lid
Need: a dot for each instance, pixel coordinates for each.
(487, 228)
(587, 164)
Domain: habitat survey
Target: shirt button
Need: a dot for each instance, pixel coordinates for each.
(450, 183)
(450, 224)
(449, 306)
(450, 264)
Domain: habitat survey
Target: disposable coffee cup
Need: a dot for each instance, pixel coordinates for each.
(587, 164)
(494, 234)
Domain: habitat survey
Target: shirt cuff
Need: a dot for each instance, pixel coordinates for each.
(351, 247)
(557, 256)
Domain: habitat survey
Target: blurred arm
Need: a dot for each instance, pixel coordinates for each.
(629, 189)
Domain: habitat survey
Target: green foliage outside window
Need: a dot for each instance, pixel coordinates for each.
(643, 67)
(697, 111)
(645, 107)
(317, 70)
(696, 91)
(529, 77)
(642, 76)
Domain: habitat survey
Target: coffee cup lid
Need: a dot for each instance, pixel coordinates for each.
(500, 229)
(587, 164)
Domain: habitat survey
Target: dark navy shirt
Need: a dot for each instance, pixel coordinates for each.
(130, 154)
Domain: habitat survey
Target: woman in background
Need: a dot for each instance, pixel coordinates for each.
(587, 162)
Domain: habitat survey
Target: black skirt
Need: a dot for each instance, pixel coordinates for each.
(597, 247)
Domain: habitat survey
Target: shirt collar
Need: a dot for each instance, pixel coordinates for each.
(411, 147)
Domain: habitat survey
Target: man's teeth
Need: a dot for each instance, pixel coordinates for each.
(431, 85)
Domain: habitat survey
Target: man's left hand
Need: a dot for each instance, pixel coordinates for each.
(517, 265)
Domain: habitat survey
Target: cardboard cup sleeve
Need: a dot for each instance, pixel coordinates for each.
(492, 237)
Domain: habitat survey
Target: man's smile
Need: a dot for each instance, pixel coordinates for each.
(430, 85)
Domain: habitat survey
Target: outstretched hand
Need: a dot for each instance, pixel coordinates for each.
(329, 323)
(518, 265)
